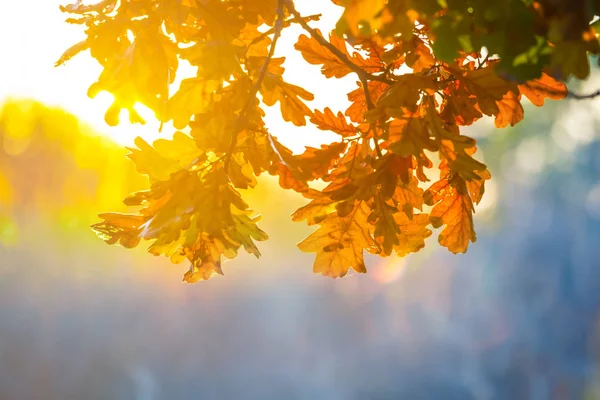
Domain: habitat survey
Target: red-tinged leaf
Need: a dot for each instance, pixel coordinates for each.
(460, 107)
(328, 121)
(409, 135)
(206, 257)
(202, 271)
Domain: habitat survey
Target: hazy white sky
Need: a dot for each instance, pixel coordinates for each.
(34, 35)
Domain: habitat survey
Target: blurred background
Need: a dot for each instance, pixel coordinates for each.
(517, 317)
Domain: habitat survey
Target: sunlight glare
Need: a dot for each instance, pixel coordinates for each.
(31, 74)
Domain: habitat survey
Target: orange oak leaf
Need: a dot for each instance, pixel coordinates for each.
(357, 97)
(542, 88)
(488, 87)
(315, 53)
(328, 121)
(452, 207)
(510, 110)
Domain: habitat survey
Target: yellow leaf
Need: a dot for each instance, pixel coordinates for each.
(316, 210)
(120, 228)
(289, 96)
(361, 17)
(339, 242)
(166, 157)
(193, 97)
(413, 233)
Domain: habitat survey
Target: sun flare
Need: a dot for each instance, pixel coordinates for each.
(33, 75)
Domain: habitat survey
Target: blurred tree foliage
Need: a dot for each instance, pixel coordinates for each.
(424, 69)
(54, 168)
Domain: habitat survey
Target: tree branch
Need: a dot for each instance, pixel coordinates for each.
(287, 22)
(589, 96)
(362, 74)
(240, 120)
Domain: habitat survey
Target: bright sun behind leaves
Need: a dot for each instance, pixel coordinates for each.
(29, 72)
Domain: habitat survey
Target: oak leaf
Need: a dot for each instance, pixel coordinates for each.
(542, 88)
(361, 17)
(315, 53)
(452, 207)
(328, 121)
(358, 99)
(510, 110)
(340, 242)
(193, 97)
(289, 96)
(413, 232)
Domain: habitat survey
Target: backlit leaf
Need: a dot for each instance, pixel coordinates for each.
(340, 242)
(328, 121)
(545, 87)
(193, 97)
(454, 209)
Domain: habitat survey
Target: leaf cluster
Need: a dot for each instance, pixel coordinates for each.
(424, 69)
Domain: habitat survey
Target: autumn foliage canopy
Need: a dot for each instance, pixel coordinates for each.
(423, 68)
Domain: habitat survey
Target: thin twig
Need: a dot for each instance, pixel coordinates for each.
(287, 22)
(363, 75)
(481, 62)
(240, 120)
(588, 96)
